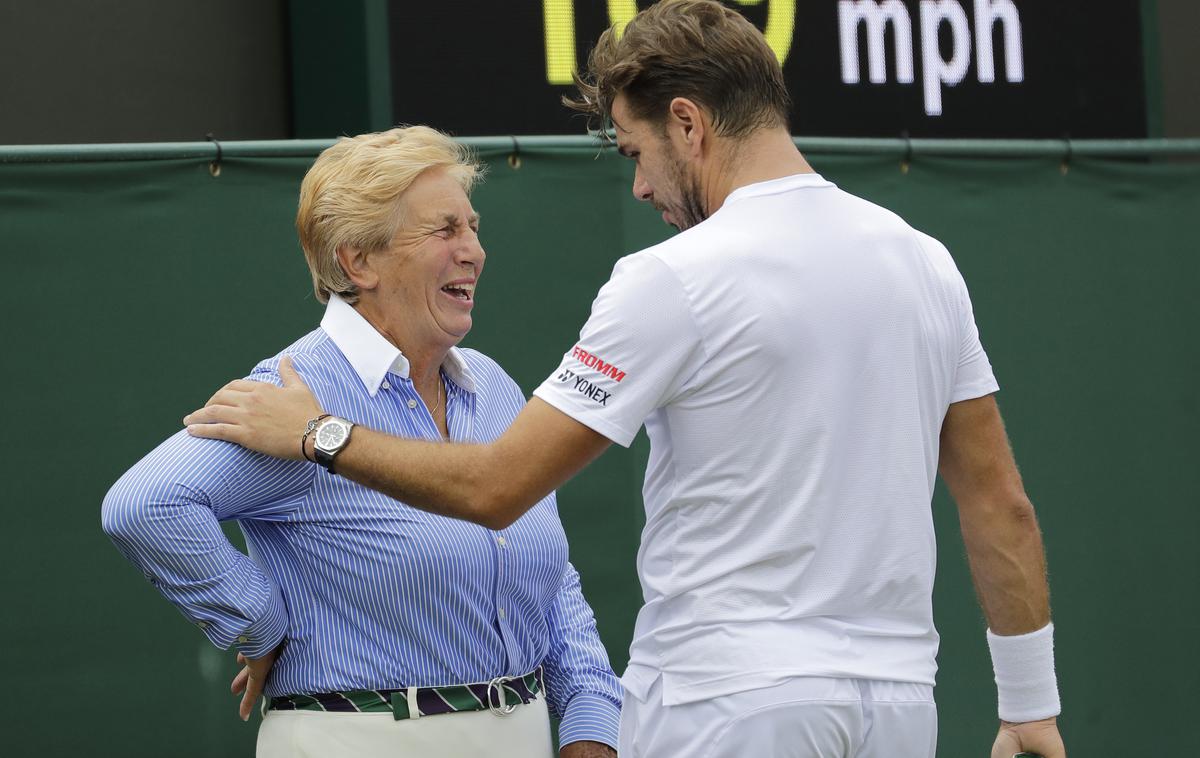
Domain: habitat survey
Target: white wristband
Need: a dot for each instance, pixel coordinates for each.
(1026, 687)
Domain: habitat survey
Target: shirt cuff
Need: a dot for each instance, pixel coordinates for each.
(262, 636)
(590, 717)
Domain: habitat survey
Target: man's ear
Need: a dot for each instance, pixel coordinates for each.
(687, 125)
(358, 268)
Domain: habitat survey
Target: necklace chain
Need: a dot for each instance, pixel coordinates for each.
(439, 396)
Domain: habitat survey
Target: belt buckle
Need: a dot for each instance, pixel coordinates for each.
(503, 709)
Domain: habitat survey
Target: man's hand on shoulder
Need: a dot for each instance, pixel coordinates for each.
(586, 749)
(1038, 737)
(259, 415)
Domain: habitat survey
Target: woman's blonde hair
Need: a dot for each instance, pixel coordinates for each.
(351, 196)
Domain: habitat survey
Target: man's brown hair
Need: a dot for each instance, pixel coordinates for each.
(697, 49)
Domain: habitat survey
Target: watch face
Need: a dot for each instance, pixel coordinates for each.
(331, 435)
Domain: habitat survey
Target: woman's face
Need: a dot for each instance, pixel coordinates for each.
(427, 276)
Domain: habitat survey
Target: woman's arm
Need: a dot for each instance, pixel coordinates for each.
(164, 515)
(582, 688)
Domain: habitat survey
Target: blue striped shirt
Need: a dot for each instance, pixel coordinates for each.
(368, 592)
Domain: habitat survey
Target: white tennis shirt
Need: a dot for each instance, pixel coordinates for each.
(792, 358)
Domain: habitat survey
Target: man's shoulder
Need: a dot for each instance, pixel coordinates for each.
(649, 275)
(688, 245)
(938, 256)
(854, 215)
(669, 259)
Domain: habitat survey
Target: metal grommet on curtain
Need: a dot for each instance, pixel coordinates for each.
(214, 168)
(908, 152)
(1068, 154)
(514, 158)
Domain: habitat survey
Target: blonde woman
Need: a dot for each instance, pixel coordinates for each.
(374, 628)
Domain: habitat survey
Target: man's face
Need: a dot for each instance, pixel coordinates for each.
(429, 271)
(663, 176)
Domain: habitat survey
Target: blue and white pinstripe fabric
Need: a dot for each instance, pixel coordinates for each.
(368, 592)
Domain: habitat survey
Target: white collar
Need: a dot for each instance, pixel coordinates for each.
(776, 186)
(372, 356)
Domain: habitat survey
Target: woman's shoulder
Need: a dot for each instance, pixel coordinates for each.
(314, 356)
(483, 369)
(489, 376)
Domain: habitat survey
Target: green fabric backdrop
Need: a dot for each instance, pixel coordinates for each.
(136, 288)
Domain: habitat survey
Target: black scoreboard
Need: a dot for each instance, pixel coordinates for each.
(928, 68)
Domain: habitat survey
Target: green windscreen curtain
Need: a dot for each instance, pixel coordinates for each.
(136, 288)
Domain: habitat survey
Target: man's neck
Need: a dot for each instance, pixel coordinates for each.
(765, 155)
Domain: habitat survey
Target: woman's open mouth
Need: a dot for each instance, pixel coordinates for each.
(462, 291)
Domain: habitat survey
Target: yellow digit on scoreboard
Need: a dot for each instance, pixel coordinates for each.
(620, 13)
(559, 18)
(781, 24)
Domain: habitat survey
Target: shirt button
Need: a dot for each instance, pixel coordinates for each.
(243, 638)
(501, 541)
(202, 624)
(500, 612)
(385, 386)
(412, 403)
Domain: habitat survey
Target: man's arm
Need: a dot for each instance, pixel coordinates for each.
(492, 484)
(1004, 545)
(658, 352)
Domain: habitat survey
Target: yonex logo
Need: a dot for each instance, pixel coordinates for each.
(584, 387)
(598, 363)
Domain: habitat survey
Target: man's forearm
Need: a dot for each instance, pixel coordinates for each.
(1008, 565)
(492, 484)
(464, 481)
(999, 527)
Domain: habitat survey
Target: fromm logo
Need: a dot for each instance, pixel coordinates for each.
(598, 363)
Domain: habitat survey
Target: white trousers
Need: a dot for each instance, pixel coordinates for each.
(804, 717)
(524, 733)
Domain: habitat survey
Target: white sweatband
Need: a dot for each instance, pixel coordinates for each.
(1026, 687)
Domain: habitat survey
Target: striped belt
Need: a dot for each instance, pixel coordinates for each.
(501, 696)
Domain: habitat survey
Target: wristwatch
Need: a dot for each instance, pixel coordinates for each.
(332, 436)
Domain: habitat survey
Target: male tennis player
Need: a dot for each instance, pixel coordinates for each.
(804, 363)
